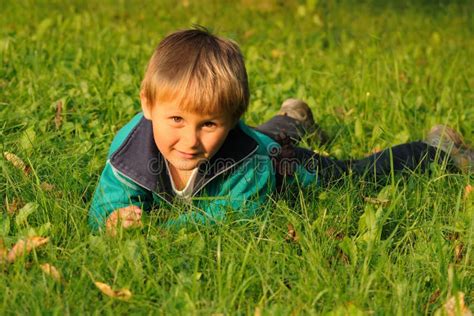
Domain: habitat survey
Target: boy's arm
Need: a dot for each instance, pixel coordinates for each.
(114, 192)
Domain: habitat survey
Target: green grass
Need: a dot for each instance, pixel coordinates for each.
(374, 73)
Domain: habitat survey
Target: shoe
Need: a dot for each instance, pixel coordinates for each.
(300, 111)
(451, 142)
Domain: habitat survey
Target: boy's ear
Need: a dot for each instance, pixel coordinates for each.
(146, 107)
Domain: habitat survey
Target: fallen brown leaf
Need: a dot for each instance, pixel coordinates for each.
(468, 191)
(3, 252)
(341, 112)
(404, 78)
(276, 53)
(24, 247)
(249, 33)
(13, 206)
(453, 236)
(122, 294)
(51, 271)
(258, 311)
(434, 297)
(458, 251)
(292, 235)
(334, 234)
(451, 306)
(48, 187)
(17, 162)
(58, 118)
(343, 257)
(458, 246)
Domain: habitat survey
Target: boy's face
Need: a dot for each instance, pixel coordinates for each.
(186, 138)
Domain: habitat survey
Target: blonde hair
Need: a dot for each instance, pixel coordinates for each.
(199, 71)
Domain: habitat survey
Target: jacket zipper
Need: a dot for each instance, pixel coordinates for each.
(222, 171)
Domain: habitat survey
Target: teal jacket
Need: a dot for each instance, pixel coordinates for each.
(239, 177)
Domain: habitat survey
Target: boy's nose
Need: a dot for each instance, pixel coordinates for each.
(191, 139)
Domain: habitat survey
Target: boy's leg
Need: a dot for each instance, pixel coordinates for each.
(294, 121)
(442, 144)
(405, 157)
(282, 124)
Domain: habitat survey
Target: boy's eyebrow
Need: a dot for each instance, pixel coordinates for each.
(205, 117)
(212, 118)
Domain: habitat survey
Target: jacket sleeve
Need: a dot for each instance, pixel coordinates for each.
(244, 192)
(114, 191)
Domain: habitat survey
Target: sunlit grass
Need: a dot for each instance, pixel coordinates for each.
(375, 74)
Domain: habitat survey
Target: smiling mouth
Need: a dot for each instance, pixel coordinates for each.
(188, 155)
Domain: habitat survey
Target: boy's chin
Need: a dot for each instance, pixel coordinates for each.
(187, 165)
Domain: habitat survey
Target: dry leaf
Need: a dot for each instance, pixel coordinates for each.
(24, 247)
(334, 234)
(451, 306)
(468, 191)
(58, 118)
(51, 271)
(453, 236)
(343, 257)
(404, 78)
(3, 252)
(17, 162)
(458, 251)
(458, 246)
(14, 206)
(434, 297)
(376, 201)
(291, 236)
(122, 294)
(249, 33)
(276, 53)
(341, 112)
(48, 187)
(258, 311)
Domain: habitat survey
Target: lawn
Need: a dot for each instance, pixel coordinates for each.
(375, 73)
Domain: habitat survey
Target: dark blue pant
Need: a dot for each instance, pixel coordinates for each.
(405, 157)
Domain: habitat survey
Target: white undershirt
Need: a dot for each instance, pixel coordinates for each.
(187, 192)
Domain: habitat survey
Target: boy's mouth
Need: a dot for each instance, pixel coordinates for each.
(187, 155)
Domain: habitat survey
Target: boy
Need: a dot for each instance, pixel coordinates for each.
(189, 144)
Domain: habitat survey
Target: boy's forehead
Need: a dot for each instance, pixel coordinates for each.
(198, 111)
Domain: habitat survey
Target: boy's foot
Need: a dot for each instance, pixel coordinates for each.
(300, 111)
(450, 141)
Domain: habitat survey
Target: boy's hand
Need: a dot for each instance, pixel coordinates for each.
(127, 217)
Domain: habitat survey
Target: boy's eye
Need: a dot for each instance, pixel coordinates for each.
(209, 124)
(177, 119)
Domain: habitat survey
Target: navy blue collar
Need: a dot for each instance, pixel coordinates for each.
(139, 160)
